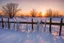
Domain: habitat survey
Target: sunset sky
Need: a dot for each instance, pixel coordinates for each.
(39, 5)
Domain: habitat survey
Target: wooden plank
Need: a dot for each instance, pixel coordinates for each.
(33, 23)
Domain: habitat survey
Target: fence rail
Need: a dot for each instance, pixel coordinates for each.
(49, 23)
(34, 23)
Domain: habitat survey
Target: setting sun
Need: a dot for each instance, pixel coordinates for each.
(43, 13)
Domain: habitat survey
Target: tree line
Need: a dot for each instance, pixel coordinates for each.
(11, 9)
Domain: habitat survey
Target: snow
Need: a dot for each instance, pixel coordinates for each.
(11, 36)
(22, 33)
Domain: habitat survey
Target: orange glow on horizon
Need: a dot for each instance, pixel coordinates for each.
(43, 13)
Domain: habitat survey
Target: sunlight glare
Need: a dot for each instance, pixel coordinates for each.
(43, 13)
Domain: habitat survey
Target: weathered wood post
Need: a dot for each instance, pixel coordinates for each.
(2, 23)
(14, 23)
(50, 25)
(45, 25)
(8, 23)
(60, 27)
(32, 25)
(17, 26)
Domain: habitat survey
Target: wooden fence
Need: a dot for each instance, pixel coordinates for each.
(49, 23)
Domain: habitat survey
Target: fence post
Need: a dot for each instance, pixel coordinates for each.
(60, 27)
(32, 25)
(8, 23)
(50, 25)
(45, 25)
(2, 23)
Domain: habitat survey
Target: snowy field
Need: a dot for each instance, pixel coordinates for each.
(10, 36)
(22, 33)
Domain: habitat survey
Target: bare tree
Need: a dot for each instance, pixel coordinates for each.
(49, 13)
(40, 14)
(33, 13)
(0, 13)
(10, 9)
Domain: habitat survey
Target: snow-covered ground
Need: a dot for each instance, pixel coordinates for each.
(11, 36)
(22, 33)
